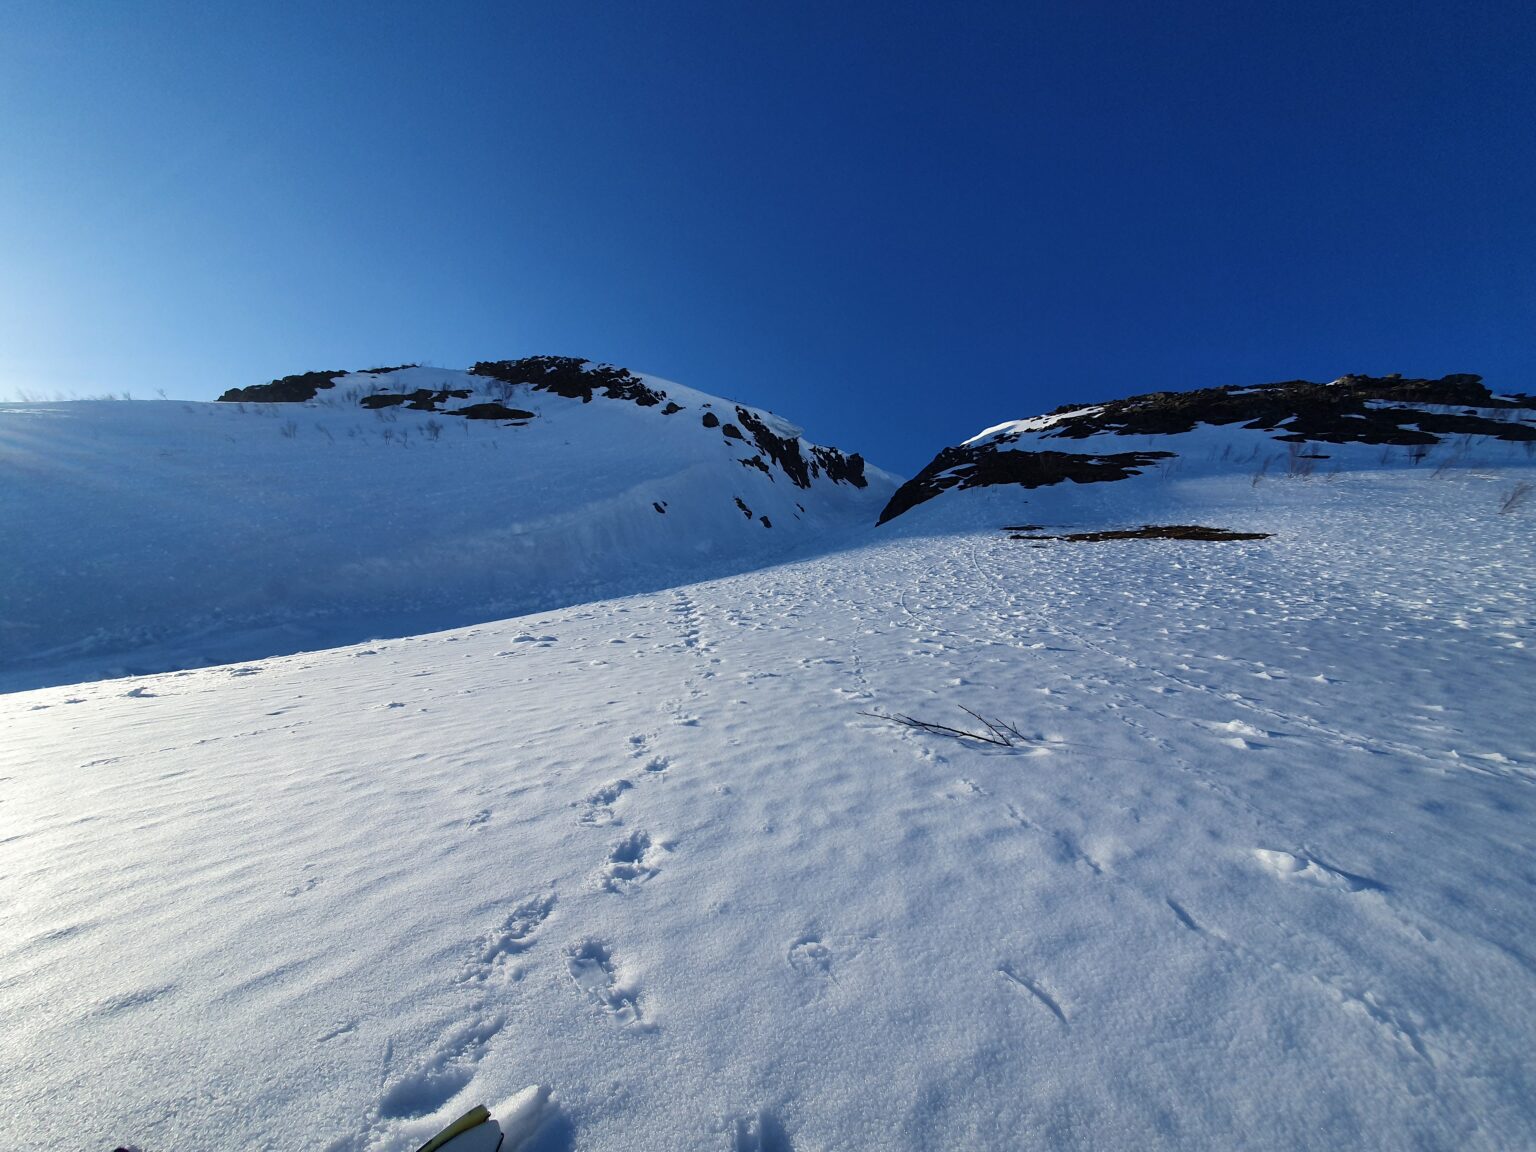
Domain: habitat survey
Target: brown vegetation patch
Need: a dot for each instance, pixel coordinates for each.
(1154, 532)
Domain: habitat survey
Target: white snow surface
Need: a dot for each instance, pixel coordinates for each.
(156, 535)
(1258, 873)
(1011, 428)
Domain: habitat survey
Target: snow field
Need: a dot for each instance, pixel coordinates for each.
(1259, 874)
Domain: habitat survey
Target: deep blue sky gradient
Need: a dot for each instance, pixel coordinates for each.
(893, 223)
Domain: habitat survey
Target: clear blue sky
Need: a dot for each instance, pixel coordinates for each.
(894, 224)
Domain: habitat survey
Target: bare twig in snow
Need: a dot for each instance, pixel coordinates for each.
(998, 733)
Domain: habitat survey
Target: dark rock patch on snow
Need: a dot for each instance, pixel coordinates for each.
(787, 455)
(422, 400)
(571, 377)
(984, 465)
(490, 410)
(1350, 410)
(293, 389)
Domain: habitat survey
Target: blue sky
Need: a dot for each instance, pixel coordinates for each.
(893, 223)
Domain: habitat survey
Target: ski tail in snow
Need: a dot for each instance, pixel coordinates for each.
(476, 1131)
(476, 1128)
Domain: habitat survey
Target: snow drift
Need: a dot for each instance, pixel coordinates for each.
(333, 507)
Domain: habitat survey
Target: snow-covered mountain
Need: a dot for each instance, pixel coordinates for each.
(332, 507)
(997, 827)
(1295, 428)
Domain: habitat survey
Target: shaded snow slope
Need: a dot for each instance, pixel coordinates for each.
(156, 535)
(1259, 873)
(1298, 428)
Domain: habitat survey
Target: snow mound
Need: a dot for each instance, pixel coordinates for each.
(328, 508)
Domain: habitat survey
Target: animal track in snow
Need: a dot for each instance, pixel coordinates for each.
(445, 1072)
(759, 1132)
(1307, 869)
(309, 885)
(594, 971)
(1066, 848)
(599, 805)
(1033, 987)
(812, 958)
(493, 951)
(961, 789)
(1396, 1022)
(633, 860)
(658, 764)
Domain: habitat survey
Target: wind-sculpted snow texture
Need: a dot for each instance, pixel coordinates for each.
(328, 508)
(1257, 873)
(1297, 422)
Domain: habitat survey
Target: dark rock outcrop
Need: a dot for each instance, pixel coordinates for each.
(1351, 410)
(572, 378)
(1338, 413)
(983, 465)
(421, 400)
(787, 455)
(298, 388)
(490, 410)
(293, 389)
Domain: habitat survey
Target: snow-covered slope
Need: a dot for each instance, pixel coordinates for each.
(159, 535)
(1257, 870)
(1079, 461)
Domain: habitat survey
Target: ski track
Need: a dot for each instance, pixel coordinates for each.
(680, 879)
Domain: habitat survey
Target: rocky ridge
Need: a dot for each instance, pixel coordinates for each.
(1385, 411)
